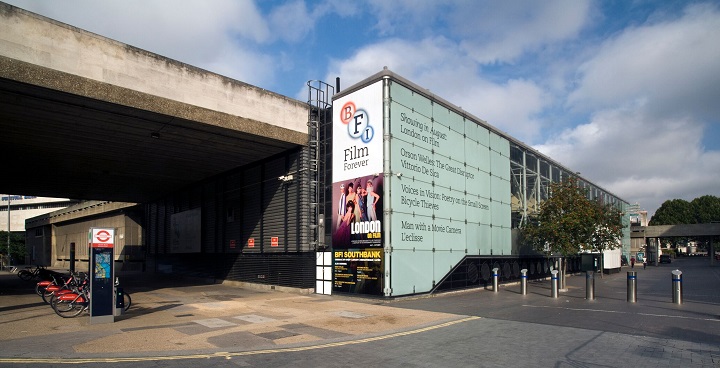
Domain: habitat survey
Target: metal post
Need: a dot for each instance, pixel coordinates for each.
(554, 284)
(632, 286)
(677, 286)
(495, 279)
(523, 281)
(590, 285)
(72, 257)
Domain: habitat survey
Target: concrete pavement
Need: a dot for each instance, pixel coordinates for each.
(272, 328)
(196, 317)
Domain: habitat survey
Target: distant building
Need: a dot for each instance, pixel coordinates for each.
(24, 207)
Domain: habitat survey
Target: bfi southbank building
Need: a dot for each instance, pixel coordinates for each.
(426, 197)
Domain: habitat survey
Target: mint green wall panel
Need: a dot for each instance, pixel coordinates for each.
(410, 126)
(477, 155)
(448, 118)
(412, 271)
(473, 236)
(444, 261)
(448, 143)
(498, 189)
(484, 239)
(501, 240)
(411, 232)
(477, 209)
(483, 135)
(409, 98)
(449, 235)
(499, 144)
(499, 165)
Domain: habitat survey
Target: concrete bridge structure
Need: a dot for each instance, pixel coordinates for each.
(649, 235)
(86, 117)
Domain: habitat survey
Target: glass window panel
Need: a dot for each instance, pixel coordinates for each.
(544, 169)
(516, 154)
(531, 162)
(555, 174)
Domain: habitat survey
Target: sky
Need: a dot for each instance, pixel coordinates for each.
(626, 92)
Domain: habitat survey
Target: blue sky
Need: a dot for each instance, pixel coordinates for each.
(625, 92)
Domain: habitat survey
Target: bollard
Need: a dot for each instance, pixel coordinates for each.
(495, 279)
(523, 281)
(632, 286)
(554, 284)
(677, 286)
(590, 285)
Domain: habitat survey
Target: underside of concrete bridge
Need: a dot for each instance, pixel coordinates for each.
(86, 117)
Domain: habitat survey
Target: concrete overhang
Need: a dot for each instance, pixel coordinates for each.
(86, 117)
(668, 231)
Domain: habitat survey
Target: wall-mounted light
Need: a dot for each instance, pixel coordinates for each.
(286, 178)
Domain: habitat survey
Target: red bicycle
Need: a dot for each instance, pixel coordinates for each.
(68, 304)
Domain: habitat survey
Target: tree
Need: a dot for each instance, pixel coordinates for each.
(568, 223)
(706, 209)
(673, 212)
(17, 246)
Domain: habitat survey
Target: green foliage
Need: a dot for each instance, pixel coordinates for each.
(17, 246)
(569, 222)
(701, 210)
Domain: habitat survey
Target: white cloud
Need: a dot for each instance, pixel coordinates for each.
(405, 16)
(220, 37)
(439, 65)
(651, 92)
(291, 21)
(673, 65)
(504, 31)
(638, 157)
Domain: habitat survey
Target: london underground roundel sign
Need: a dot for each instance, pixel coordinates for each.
(102, 238)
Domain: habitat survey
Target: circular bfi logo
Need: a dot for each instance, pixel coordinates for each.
(357, 121)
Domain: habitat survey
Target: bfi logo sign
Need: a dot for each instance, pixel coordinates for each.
(357, 121)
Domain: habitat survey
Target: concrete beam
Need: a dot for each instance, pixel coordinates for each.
(52, 54)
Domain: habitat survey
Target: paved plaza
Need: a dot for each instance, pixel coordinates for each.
(225, 325)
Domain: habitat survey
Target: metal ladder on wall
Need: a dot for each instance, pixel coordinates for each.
(319, 172)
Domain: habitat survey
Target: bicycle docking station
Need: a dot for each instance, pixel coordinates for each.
(102, 275)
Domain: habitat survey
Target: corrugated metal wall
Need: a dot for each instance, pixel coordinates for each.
(254, 225)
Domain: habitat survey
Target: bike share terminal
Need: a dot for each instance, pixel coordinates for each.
(102, 275)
